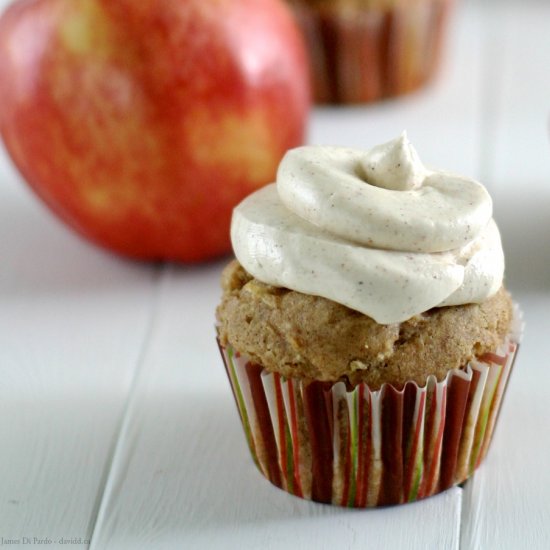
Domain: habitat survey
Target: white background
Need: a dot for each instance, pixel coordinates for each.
(116, 420)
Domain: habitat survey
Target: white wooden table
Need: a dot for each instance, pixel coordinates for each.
(117, 425)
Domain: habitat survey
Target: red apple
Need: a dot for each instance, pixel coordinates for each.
(142, 123)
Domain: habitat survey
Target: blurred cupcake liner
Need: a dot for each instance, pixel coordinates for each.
(362, 448)
(365, 51)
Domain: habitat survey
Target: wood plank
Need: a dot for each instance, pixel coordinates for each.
(72, 323)
(182, 476)
(506, 505)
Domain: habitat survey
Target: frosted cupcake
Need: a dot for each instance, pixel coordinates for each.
(365, 50)
(365, 328)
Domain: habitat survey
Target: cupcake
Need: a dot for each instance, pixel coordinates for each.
(364, 326)
(366, 50)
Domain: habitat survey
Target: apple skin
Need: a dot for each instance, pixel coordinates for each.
(142, 124)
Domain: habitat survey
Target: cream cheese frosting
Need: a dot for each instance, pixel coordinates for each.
(375, 230)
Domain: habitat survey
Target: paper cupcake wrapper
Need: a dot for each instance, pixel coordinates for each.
(362, 54)
(364, 448)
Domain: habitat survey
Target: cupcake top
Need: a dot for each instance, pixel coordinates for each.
(309, 337)
(375, 230)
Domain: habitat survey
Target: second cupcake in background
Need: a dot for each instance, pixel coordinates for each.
(365, 328)
(366, 50)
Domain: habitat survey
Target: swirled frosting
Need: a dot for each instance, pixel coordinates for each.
(375, 230)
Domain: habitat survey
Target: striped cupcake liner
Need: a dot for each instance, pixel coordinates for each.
(367, 53)
(363, 448)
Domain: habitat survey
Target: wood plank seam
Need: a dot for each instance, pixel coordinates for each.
(111, 476)
(491, 80)
(492, 63)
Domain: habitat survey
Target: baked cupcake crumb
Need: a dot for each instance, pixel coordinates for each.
(310, 337)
